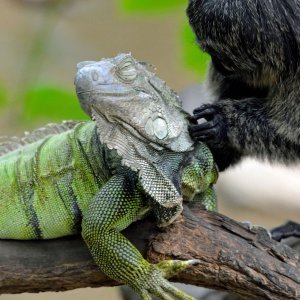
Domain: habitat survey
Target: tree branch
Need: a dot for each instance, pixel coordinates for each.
(233, 258)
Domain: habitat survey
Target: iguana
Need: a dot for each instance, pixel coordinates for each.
(97, 177)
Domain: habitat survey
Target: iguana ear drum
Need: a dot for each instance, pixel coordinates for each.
(157, 127)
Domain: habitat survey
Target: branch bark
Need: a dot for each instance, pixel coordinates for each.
(233, 258)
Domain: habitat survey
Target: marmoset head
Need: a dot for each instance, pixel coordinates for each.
(255, 41)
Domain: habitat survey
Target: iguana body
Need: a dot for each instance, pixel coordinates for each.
(46, 186)
(96, 178)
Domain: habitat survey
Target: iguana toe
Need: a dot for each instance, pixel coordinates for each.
(154, 281)
(170, 268)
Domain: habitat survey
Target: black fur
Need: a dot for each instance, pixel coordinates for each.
(254, 78)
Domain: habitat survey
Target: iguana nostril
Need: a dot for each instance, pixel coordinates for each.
(95, 75)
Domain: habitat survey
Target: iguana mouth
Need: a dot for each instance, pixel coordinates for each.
(108, 94)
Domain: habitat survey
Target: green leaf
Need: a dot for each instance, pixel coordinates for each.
(53, 103)
(193, 57)
(151, 6)
(3, 96)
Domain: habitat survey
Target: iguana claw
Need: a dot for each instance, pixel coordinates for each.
(157, 285)
(170, 268)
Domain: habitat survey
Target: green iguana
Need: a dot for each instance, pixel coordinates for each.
(97, 177)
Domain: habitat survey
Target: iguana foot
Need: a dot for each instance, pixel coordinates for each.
(154, 282)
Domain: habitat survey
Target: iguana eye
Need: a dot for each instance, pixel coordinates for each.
(126, 70)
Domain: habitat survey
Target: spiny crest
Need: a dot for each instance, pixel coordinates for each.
(165, 91)
(11, 143)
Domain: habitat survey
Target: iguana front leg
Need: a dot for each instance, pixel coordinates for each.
(116, 206)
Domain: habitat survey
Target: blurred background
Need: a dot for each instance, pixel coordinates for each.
(41, 42)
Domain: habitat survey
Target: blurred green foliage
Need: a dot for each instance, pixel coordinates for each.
(147, 6)
(3, 96)
(192, 57)
(51, 102)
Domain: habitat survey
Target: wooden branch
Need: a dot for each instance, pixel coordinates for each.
(233, 258)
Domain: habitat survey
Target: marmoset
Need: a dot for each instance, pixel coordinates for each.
(253, 79)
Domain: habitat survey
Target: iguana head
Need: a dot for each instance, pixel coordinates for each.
(123, 92)
(138, 116)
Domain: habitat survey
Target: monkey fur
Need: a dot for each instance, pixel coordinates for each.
(254, 78)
